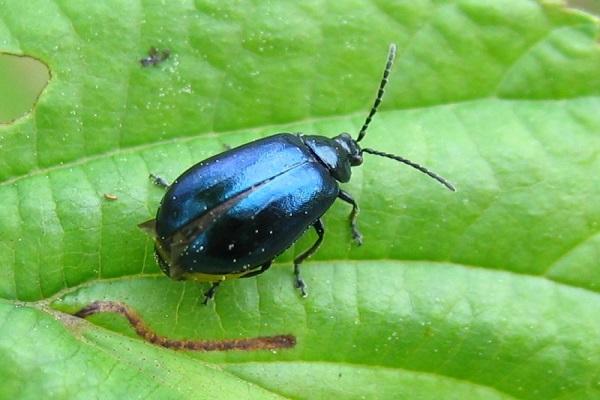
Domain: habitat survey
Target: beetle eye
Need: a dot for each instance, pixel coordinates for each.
(356, 159)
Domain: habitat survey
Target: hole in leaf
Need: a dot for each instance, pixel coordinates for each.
(22, 80)
(590, 6)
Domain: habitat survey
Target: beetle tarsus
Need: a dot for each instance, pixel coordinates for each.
(357, 236)
(298, 281)
(158, 181)
(210, 293)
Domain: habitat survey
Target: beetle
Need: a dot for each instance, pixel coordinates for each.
(230, 215)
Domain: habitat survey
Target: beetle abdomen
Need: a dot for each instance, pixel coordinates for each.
(262, 224)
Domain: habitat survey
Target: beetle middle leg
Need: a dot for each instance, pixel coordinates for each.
(356, 235)
(210, 293)
(299, 282)
(158, 181)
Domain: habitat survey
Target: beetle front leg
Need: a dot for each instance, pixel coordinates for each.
(210, 293)
(356, 235)
(158, 181)
(299, 282)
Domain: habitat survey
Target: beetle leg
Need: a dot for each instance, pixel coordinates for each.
(262, 269)
(158, 181)
(299, 282)
(210, 293)
(356, 235)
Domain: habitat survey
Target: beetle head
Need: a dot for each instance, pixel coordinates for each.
(337, 154)
(350, 148)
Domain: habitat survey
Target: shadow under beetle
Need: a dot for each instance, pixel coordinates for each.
(229, 216)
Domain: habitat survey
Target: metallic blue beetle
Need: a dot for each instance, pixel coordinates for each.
(229, 216)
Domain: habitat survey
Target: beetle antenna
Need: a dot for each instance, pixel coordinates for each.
(412, 164)
(384, 80)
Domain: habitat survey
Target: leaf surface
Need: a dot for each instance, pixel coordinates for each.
(489, 293)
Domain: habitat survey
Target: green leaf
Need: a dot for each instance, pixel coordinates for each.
(492, 292)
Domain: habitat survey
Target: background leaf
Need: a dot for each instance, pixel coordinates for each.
(491, 292)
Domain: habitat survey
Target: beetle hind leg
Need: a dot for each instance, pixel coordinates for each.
(299, 282)
(356, 235)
